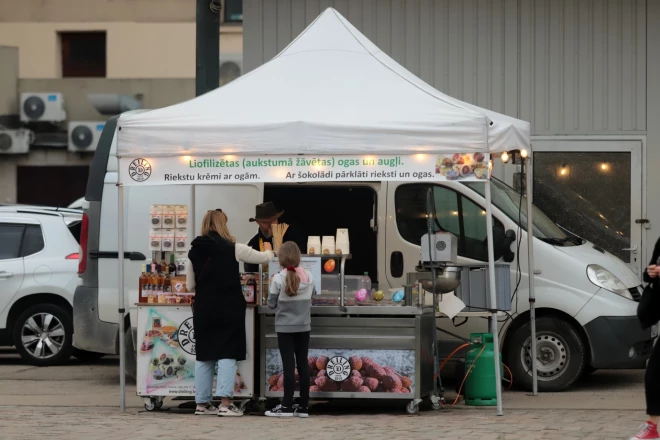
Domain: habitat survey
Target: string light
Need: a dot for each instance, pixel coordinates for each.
(523, 154)
(505, 157)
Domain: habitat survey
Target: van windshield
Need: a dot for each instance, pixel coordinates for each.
(507, 200)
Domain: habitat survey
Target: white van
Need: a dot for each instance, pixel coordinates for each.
(586, 298)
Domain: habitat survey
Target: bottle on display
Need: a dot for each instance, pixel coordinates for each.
(167, 286)
(172, 266)
(154, 266)
(365, 283)
(163, 263)
(250, 289)
(160, 282)
(147, 291)
(142, 282)
(153, 278)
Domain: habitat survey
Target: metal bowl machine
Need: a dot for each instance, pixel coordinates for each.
(437, 273)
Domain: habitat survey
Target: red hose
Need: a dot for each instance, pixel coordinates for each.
(449, 357)
(435, 377)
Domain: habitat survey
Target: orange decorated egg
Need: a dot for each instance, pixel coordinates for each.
(329, 265)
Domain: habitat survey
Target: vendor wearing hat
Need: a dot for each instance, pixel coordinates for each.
(266, 215)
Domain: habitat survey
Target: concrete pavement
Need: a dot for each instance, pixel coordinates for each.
(79, 401)
(105, 423)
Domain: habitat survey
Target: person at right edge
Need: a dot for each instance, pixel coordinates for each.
(290, 295)
(648, 312)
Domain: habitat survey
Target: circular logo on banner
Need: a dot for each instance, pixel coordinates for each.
(186, 335)
(338, 369)
(139, 170)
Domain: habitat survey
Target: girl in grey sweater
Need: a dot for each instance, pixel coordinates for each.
(290, 295)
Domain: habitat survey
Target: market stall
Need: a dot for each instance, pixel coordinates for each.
(341, 110)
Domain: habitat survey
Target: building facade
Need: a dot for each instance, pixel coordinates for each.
(578, 70)
(144, 49)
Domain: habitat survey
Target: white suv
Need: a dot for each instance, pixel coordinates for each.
(38, 277)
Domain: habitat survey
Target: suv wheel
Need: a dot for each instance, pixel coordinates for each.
(561, 354)
(43, 335)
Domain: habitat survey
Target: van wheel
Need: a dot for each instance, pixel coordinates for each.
(43, 335)
(130, 367)
(561, 354)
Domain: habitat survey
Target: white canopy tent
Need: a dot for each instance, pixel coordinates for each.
(330, 91)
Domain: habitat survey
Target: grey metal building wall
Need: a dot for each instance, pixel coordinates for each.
(567, 66)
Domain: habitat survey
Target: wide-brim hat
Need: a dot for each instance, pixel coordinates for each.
(266, 211)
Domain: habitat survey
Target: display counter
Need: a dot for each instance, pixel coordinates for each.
(166, 354)
(358, 353)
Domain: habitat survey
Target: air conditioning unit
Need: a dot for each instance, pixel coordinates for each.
(84, 136)
(42, 107)
(15, 141)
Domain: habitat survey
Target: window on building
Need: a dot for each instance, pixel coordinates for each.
(455, 213)
(233, 11)
(84, 54)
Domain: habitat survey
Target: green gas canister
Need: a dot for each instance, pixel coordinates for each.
(480, 382)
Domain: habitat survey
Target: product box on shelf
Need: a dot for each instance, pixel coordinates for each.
(156, 214)
(155, 240)
(169, 216)
(168, 240)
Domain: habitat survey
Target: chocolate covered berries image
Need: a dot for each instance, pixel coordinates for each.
(366, 376)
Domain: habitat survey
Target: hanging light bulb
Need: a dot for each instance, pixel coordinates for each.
(505, 157)
(523, 154)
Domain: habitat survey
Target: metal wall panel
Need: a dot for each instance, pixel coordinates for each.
(567, 66)
(583, 66)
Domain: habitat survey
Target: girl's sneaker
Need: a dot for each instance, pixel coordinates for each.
(229, 411)
(281, 411)
(649, 432)
(300, 411)
(206, 410)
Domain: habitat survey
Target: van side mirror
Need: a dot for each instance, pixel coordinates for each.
(507, 254)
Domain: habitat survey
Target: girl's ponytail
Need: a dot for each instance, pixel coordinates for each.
(289, 257)
(292, 281)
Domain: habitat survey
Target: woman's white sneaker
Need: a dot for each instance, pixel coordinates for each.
(206, 410)
(229, 411)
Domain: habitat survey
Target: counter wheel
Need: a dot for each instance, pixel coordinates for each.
(412, 407)
(153, 403)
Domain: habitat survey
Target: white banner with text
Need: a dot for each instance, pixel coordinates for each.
(242, 169)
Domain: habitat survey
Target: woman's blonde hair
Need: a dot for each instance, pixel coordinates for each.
(216, 221)
(289, 257)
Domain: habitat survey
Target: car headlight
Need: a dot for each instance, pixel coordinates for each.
(605, 279)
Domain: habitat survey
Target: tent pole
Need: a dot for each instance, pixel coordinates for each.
(121, 310)
(493, 297)
(530, 273)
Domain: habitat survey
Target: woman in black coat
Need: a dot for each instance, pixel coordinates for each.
(219, 310)
(649, 312)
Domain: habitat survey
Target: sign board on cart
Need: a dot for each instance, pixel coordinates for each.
(166, 353)
(311, 264)
(286, 169)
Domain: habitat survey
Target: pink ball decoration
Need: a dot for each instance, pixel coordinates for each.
(361, 295)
